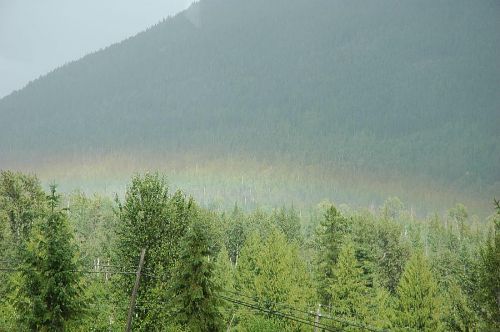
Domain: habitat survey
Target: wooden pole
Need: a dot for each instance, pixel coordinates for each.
(134, 291)
(316, 321)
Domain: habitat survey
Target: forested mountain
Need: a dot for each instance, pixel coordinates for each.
(407, 88)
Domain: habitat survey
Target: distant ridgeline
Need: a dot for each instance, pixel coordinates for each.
(408, 88)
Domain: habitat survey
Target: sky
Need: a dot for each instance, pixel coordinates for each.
(38, 36)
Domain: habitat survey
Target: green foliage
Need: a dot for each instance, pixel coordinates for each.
(272, 273)
(224, 278)
(383, 309)
(460, 315)
(459, 215)
(329, 239)
(195, 302)
(392, 254)
(288, 222)
(392, 208)
(260, 324)
(489, 275)
(348, 291)
(22, 201)
(360, 260)
(95, 224)
(49, 293)
(419, 301)
(236, 233)
(150, 218)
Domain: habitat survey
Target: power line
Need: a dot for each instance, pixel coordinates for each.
(8, 269)
(286, 305)
(277, 313)
(144, 303)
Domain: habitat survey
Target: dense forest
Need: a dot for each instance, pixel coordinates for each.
(69, 263)
(251, 165)
(399, 90)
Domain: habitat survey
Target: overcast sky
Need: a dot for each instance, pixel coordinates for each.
(37, 36)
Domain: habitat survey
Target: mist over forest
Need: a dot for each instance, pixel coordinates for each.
(270, 156)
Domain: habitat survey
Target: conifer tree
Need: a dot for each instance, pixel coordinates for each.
(50, 290)
(246, 267)
(419, 303)
(236, 233)
(459, 216)
(289, 223)
(196, 304)
(348, 290)
(391, 254)
(489, 274)
(224, 279)
(272, 272)
(329, 240)
(459, 316)
(382, 309)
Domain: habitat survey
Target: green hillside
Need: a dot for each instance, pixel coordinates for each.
(406, 89)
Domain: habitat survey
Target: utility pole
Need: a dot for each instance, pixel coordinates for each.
(134, 291)
(316, 321)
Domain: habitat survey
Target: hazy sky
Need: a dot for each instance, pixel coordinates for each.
(37, 36)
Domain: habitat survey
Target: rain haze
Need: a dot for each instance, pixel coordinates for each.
(249, 165)
(39, 36)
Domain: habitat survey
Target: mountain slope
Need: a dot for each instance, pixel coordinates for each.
(392, 88)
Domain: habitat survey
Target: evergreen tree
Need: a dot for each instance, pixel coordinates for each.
(196, 304)
(460, 316)
(224, 279)
(391, 254)
(459, 216)
(383, 311)
(247, 267)
(419, 303)
(489, 275)
(392, 208)
(289, 223)
(50, 291)
(271, 272)
(348, 291)
(329, 239)
(236, 233)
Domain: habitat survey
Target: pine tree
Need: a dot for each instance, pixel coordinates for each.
(419, 303)
(392, 208)
(196, 304)
(382, 309)
(247, 267)
(272, 272)
(237, 230)
(348, 291)
(391, 254)
(459, 216)
(289, 223)
(224, 279)
(489, 275)
(50, 290)
(460, 316)
(329, 240)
